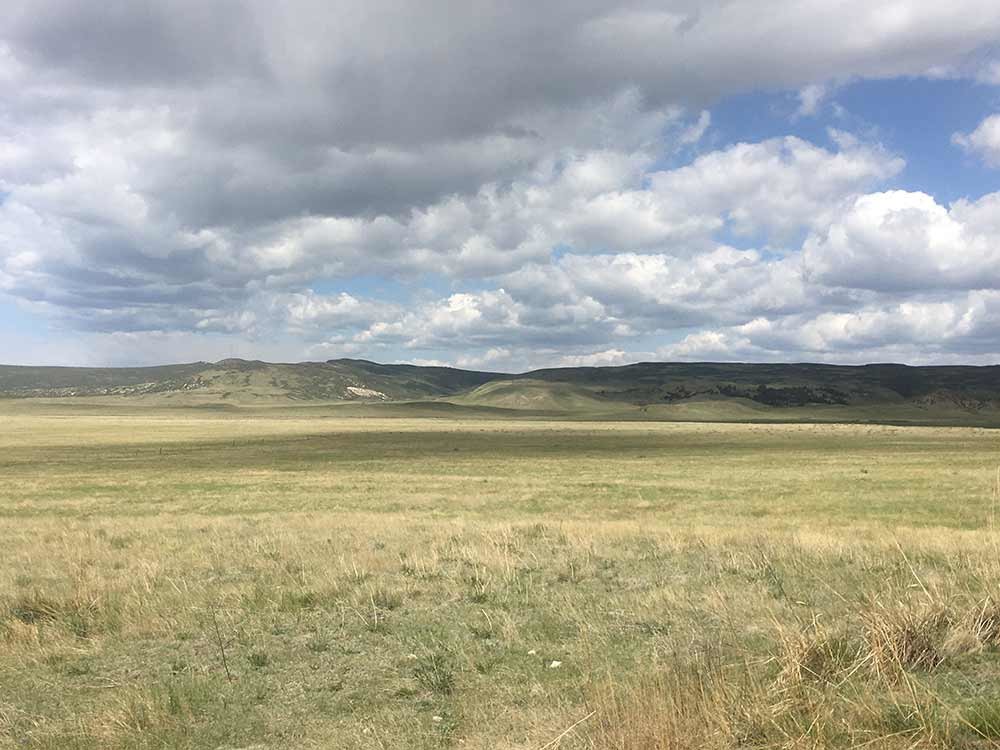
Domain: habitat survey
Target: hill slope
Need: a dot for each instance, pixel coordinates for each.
(954, 392)
(787, 384)
(245, 381)
(537, 395)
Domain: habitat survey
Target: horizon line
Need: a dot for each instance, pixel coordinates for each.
(791, 363)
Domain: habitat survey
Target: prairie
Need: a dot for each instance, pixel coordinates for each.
(383, 578)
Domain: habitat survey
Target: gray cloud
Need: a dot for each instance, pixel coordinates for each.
(137, 43)
(184, 168)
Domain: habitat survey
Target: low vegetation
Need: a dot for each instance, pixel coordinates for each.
(278, 578)
(948, 395)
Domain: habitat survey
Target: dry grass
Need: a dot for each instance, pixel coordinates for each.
(538, 587)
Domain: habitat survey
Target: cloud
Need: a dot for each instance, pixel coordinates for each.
(87, 245)
(892, 275)
(810, 98)
(897, 241)
(606, 358)
(989, 73)
(961, 329)
(491, 319)
(562, 312)
(337, 312)
(186, 169)
(779, 185)
(661, 292)
(984, 141)
(694, 132)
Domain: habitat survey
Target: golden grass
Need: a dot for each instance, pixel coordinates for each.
(351, 592)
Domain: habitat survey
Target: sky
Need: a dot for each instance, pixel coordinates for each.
(499, 185)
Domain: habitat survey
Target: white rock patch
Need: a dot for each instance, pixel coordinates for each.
(361, 392)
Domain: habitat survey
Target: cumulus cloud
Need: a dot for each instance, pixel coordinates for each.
(919, 331)
(189, 170)
(99, 259)
(491, 319)
(606, 358)
(337, 312)
(661, 292)
(779, 185)
(984, 141)
(898, 241)
(561, 313)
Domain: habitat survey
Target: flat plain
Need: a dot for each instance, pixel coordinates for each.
(335, 577)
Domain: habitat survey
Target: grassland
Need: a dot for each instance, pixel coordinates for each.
(659, 391)
(321, 577)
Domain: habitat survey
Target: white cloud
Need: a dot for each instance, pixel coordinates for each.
(779, 185)
(984, 141)
(694, 132)
(306, 312)
(190, 169)
(962, 328)
(476, 318)
(497, 357)
(897, 240)
(810, 98)
(606, 358)
(660, 292)
(593, 201)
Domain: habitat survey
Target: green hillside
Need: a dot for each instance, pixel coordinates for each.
(786, 385)
(78, 381)
(538, 395)
(650, 390)
(243, 381)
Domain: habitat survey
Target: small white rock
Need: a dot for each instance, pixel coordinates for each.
(532, 652)
(555, 665)
(436, 718)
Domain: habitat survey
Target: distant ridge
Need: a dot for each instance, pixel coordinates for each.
(948, 389)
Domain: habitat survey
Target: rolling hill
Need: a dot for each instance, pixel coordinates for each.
(243, 381)
(669, 390)
(536, 395)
